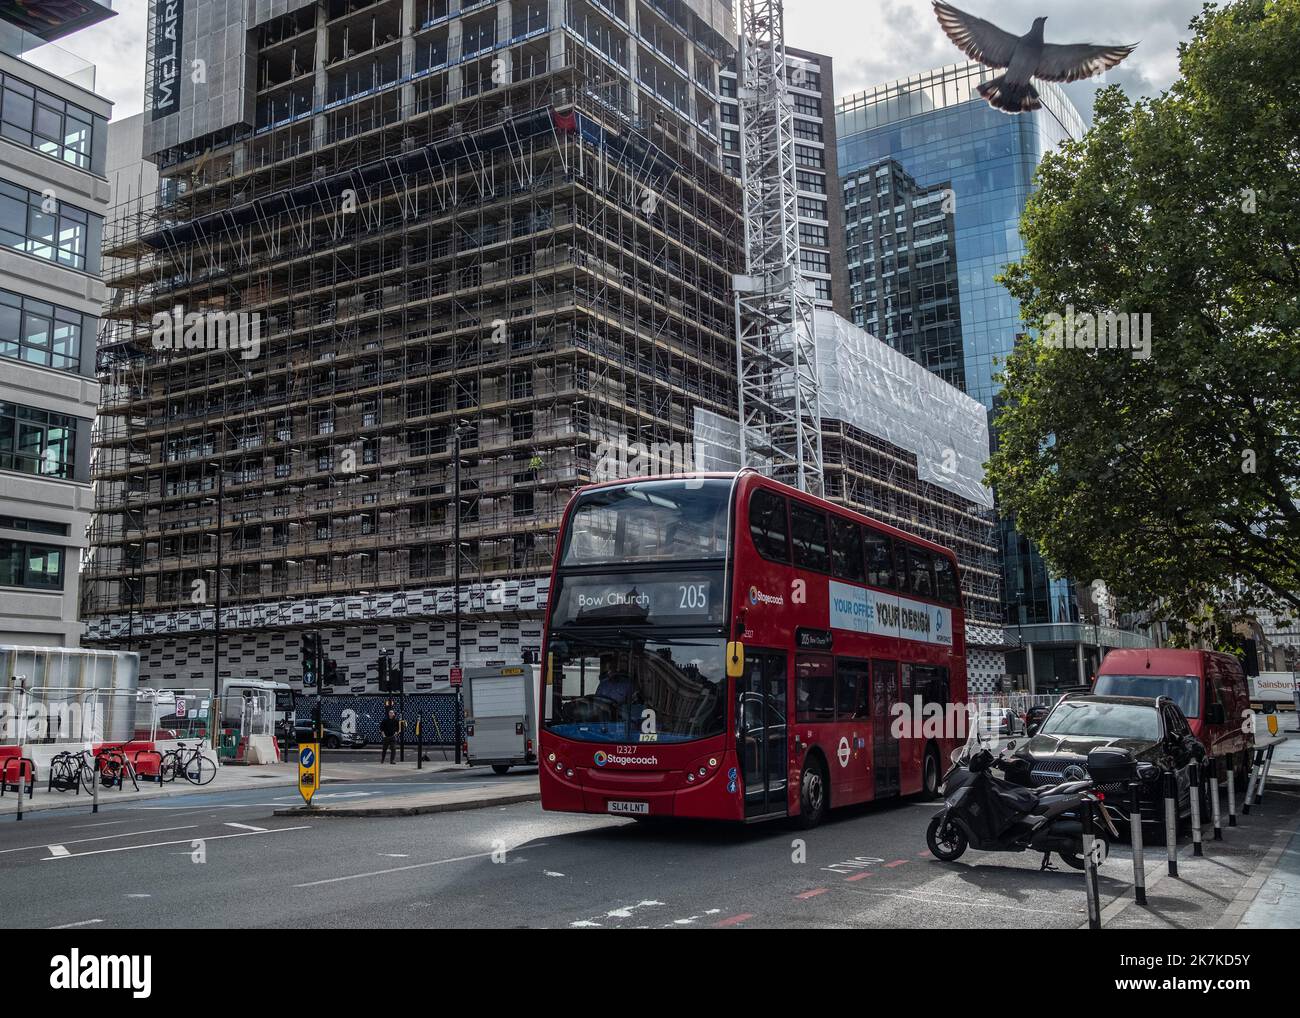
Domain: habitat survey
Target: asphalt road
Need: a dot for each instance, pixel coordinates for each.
(222, 860)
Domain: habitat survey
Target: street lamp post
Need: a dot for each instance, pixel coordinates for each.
(455, 554)
(215, 713)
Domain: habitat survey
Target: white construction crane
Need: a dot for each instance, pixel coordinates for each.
(776, 356)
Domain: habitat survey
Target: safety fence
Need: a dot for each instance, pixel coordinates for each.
(358, 715)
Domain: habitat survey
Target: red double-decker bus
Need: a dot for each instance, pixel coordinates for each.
(723, 646)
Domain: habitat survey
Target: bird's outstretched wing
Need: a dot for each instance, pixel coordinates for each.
(978, 39)
(1083, 60)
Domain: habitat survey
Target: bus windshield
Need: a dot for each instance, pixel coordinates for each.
(638, 689)
(1184, 690)
(649, 521)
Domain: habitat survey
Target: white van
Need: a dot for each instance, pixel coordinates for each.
(501, 715)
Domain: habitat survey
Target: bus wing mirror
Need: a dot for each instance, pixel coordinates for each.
(735, 659)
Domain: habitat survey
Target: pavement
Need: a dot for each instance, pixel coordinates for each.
(235, 777)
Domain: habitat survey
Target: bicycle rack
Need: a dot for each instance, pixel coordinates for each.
(17, 786)
(140, 776)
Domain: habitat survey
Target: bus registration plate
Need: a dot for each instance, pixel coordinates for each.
(632, 808)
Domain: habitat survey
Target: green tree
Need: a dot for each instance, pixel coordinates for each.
(1175, 478)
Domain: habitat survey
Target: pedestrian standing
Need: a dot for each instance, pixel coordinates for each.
(388, 729)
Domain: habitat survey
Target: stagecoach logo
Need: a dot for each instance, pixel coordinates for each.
(603, 758)
(756, 596)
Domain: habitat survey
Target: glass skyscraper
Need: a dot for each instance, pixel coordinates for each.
(934, 184)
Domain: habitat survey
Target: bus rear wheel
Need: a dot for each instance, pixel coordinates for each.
(930, 776)
(813, 793)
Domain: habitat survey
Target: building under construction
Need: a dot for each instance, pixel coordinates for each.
(385, 232)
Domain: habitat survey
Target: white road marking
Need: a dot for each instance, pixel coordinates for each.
(618, 913)
(551, 873)
(69, 926)
(107, 823)
(395, 855)
(164, 844)
(58, 850)
(403, 869)
(246, 827)
(102, 837)
(139, 896)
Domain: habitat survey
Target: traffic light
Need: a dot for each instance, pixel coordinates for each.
(311, 652)
(331, 672)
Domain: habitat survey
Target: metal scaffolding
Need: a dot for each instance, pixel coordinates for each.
(543, 263)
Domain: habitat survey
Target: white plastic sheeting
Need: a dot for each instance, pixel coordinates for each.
(873, 387)
(716, 441)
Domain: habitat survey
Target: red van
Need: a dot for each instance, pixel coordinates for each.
(1210, 688)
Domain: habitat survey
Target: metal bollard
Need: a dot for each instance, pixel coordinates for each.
(95, 768)
(1090, 865)
(1171, 821)
(1263, 775)
(1231, 779)
(419, 743)
(1214, 798)
(1194, 772)
(1250, 781)
(1135, 838)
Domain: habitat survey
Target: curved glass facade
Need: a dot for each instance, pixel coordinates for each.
(935, 182)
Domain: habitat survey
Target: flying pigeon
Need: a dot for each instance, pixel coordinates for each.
(1024, 57)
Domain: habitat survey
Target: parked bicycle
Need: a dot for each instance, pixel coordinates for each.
(189, 762)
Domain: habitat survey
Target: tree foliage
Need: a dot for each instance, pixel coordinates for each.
(1174, 479)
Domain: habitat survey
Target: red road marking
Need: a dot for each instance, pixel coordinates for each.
(736, 920)
(812, 894)
(861, 876)
(925, 854)
(896, 862)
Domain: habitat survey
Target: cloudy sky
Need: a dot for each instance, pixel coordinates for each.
(872, 41)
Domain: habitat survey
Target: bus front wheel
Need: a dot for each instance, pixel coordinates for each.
(813, 794)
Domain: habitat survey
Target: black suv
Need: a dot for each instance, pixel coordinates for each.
(1153, 729)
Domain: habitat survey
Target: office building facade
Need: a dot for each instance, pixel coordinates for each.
(53, 197)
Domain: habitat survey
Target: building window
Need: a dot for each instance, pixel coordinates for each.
(815, 261)
(808, 105)
(814, 236)
(823, 288)
(24, 564)
(43, 227)
(814, 182)
(812, 208)
(806, 155)
(808, 130)
(37, 441)
(39, 333)
(46, 123)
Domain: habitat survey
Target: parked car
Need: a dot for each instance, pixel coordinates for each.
(332, 737)
(1209, 688)
(1153, 729)
(1003, 721)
